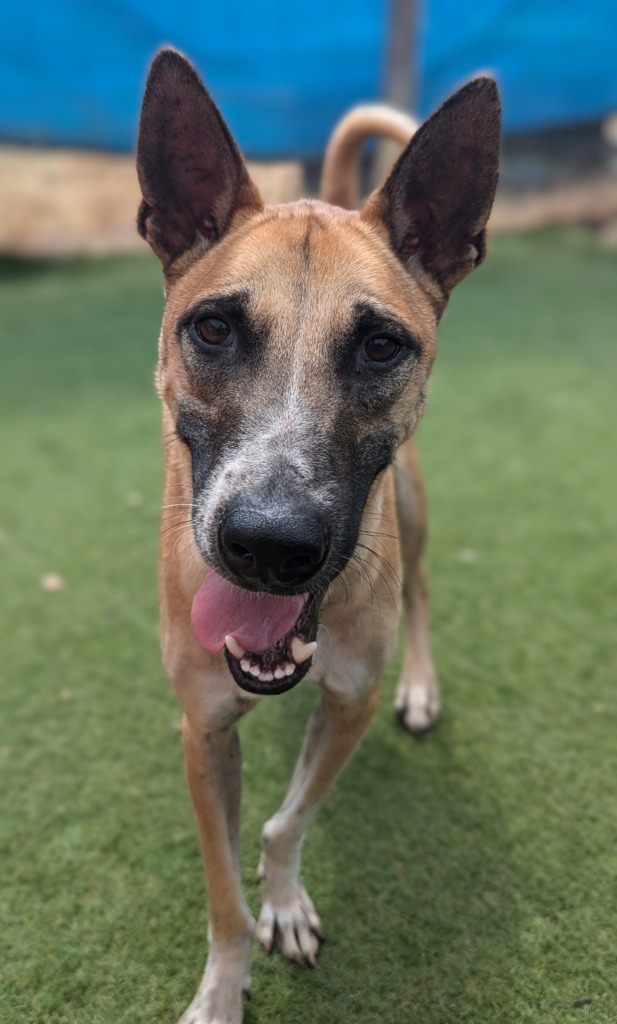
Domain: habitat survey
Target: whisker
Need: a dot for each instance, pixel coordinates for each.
(378, 533)
(380, 515)
(171, 518)
(384, 561)
(345, 582)
(182, 551)
(340, 570)
(177, 526)
(366, 577)
(380, 574)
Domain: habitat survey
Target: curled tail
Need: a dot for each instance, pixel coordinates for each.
(340, 175)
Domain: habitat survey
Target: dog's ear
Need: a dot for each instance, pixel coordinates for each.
(191, 173)
(438, 197)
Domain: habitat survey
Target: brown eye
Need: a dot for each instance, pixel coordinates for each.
(212, 330)
(380, 350)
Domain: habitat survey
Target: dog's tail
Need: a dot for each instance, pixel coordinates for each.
(340, 175)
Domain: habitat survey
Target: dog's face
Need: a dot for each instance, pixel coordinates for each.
(297, 341)
(295, 357)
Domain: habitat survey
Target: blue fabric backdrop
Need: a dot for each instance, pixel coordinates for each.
(72, 71)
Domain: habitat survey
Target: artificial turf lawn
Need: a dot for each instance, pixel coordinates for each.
(471, 877)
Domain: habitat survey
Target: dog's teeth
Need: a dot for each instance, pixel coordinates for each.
(279, 672)
(255, 670)
(266, 677)
(301, 651)
(234, 647)
(289, 669)
(245, 665)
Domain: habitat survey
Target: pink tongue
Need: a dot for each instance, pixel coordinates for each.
(256, 621)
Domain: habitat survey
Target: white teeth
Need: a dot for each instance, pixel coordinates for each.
(234, 647)
(301, 651)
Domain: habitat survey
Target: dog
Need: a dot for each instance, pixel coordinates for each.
(294, 357)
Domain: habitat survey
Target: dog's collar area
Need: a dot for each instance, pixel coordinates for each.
(281, 666)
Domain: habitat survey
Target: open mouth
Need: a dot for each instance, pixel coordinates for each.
(283, 664)
(269, 641)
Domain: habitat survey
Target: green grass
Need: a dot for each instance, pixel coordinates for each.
(471, 877)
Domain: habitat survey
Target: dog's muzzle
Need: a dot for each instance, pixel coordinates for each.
(263, 609)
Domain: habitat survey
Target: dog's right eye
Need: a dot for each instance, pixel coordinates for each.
(212, 330)
(382, 350)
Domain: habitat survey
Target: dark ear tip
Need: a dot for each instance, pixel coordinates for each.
(487, 86)
(168, 60)
(484, 87)
(169, 55)
(484, 83)
(477, 100)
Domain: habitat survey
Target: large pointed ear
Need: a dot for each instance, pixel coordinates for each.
(191, 173)
(438, 197)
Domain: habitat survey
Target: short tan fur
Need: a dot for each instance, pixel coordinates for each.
(330, 322)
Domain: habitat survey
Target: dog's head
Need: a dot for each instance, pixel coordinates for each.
(298, 340)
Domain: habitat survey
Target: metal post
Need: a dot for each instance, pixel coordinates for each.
(400, 75)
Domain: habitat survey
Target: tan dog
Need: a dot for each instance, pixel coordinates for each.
(295, 352)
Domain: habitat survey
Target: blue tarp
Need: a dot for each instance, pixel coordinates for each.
(72, 71)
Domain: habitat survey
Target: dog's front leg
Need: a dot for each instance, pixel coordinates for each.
(288, 916)
(213, 767)
(417, 694)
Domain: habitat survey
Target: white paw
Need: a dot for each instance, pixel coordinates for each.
(417, 704)
(226, 981)
(289, 922)
(204, 1010)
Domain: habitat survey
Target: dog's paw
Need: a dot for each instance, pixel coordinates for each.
(224, 986)
(417, 705)
(290, 923)
(222, 1006)
(207, 1009)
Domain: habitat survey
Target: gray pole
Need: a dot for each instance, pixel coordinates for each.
(400, 74)
(400, 71)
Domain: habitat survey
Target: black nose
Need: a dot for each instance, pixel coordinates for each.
(285, 548)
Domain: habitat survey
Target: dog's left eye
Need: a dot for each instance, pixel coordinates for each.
(212, 330)
(382, 350)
